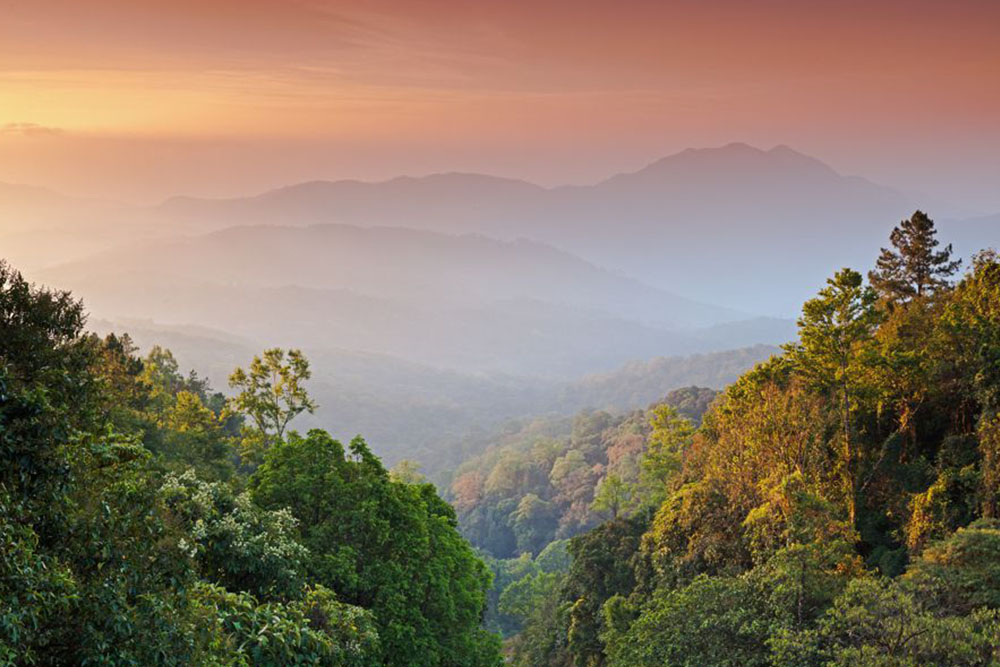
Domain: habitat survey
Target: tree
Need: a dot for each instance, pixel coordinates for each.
(534, 523)
(600, 569)
(161, 375)
(833, 329)
(804, 549)
(314, 630)
(46, 389)
(670, 436)
(613, 496)
(389, 547)
(711, 621)
(914, 269)
(88, 567)
(272, 392)
(875, 621)
(407, 472)
(193, 436)
(969, 339)
(961, 572)
(235, 543)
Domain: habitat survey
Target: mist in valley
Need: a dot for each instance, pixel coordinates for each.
(436, 307)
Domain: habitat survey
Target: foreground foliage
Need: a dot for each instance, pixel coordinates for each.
(132, 532)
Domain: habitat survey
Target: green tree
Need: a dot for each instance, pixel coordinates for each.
(235, 543)
(272, 392)
(803, 547)
(960, 572)
(711, 621)
(389, 547)
(534, 522)
(662, 462)
(613, 496)
(914, 268)
(601, 568)
(876, 622)
(194, 436)
(544, 639)
(317, 629)
(967, 339)
(833, 332)
(96, 566)
(407, 472)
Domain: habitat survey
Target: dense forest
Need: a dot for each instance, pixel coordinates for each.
(838, 504)
(145, 519)
(552, 478)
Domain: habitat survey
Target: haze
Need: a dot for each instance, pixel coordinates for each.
(228, 98)
(462, 211)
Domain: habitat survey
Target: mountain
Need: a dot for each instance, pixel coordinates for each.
(754, 230)
(455, 202)
(763, 228)
(417, 267)
(640, 383)
(465, 303)
(33, 199)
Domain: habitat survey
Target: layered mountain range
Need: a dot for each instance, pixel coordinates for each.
(733, 224)
(463, 298)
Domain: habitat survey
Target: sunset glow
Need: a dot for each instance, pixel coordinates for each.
(551, 91)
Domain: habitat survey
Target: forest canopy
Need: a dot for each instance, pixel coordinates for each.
(145, 519)
(836, 505)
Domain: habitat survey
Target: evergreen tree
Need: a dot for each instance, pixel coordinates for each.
(914, 268)
(833, 330)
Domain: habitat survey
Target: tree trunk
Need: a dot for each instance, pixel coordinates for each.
(849, 462)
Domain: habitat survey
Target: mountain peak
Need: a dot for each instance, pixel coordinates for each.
(736, 158)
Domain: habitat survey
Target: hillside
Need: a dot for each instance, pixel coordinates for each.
(837, 504)
(432, 416)
(461, 303)
(395, 263)
(640, 383)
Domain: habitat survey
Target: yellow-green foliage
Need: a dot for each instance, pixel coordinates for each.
(869, 449)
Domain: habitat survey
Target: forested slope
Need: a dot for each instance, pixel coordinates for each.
(837, 505)
(147, 520)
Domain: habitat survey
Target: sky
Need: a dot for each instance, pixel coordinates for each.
(142, 99)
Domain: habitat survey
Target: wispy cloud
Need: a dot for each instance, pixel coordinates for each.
(30, 130)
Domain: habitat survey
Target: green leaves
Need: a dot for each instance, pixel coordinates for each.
(272, 392)
(873, 442)
(235, 543)
(914, 269)
(316, 630)
(664, 456)
(389, 546)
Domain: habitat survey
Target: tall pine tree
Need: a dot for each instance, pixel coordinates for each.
(834, 328)
(914, 268)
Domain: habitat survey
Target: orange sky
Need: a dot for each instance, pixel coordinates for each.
(147, 98)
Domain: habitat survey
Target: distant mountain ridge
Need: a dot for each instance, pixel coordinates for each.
(397, 263)
(465, 303)
(760, 229)
(727, 211)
